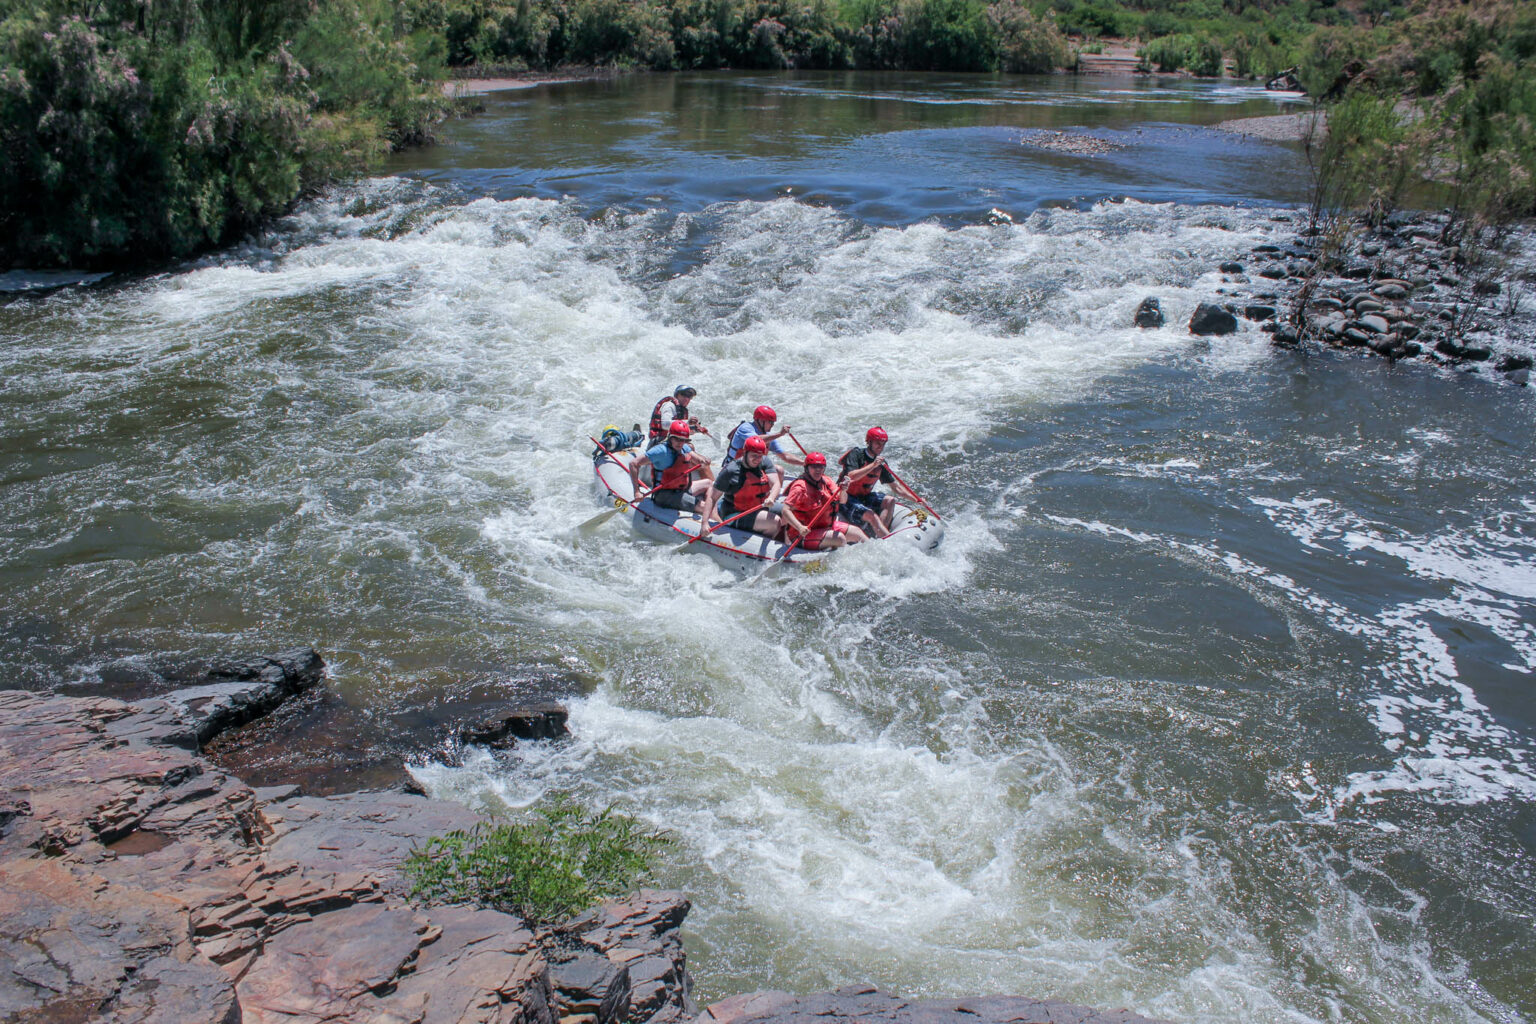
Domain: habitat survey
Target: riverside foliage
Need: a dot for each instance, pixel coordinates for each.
(134, 130)
(545, 870)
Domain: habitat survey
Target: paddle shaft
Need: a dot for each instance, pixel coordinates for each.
(728, 522)
(909, 490)
(790, 550)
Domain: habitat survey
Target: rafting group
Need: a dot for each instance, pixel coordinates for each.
(817, 513)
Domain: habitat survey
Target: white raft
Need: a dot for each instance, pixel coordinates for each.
(733, 546)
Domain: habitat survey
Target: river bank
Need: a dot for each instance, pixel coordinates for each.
(141, 883)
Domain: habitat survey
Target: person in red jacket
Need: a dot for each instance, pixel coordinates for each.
(810, 510)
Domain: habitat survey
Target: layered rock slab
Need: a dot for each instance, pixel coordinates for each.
(139, 883)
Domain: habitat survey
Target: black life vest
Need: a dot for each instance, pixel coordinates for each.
(858, 458)
(756, 483)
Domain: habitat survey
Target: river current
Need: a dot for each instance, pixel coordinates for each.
(1216, 703)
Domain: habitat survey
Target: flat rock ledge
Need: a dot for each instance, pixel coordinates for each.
(140, 883)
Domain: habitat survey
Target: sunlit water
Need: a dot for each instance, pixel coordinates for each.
(1215, 703)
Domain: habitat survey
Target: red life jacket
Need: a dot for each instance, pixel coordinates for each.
(658, 431)
(814, 506)
(858, 458)
(756, 483)
(678, 475)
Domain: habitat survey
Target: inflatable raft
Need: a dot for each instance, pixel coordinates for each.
(730, 545)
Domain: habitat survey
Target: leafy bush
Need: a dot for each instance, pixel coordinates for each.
(1206, 59)
(1169, 53)
(545, 870)
(154, 131)
(1026, 43)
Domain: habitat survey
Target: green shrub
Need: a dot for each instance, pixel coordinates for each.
(557, 865)
(946, 35)
(1024, 42)
(1205, 60)
(1170, 53)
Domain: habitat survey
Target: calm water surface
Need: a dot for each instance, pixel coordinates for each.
(1216, 702)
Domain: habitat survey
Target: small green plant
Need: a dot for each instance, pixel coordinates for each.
(560, 863)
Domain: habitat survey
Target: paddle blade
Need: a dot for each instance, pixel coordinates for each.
(599, 519)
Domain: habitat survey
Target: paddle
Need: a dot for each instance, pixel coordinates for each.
(684, 545)
(795, 439)
(787, 551)
(603, 517)
(909, 490)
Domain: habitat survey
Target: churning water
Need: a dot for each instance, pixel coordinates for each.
(1215, 703)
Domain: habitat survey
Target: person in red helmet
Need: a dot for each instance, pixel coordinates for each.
(810, 510)
(859, 470)
(763, 419)
(748, 486)
(678, 473)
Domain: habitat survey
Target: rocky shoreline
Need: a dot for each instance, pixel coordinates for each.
(139, 882)
(1396, 290)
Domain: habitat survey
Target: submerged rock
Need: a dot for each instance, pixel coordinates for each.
(1149, 313)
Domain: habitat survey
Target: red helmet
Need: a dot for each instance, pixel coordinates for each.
(876, 434)
(765, 412)
(755, 444)
(815, 459)
(679, 428)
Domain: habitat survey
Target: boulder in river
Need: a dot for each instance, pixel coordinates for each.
(1210, 319)
(1149, 313)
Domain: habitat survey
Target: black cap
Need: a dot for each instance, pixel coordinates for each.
(684, 389)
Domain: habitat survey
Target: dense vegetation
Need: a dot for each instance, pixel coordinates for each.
(133, 130)
(558, 864)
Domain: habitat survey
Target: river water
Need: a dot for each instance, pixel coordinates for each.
(1215, 703)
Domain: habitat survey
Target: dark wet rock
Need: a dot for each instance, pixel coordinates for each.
(1353, 337)
(1374, 324)
(589, 987)
(1273, 272)
(1231, 267)
(1149, 313)
(1327, 302)
(1259, 312)
(539, 722)
(1356, 272)
(1486, 288)
(1477, 353)
(1521, 377)
(1511, 363)
(1209, 319)
(1285, 337)
(1366, 304)
(864, 1004)
(240, 692)
(1266, 248)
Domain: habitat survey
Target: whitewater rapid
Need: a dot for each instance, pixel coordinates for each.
(1141, 733)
